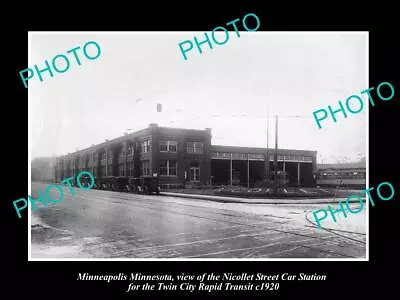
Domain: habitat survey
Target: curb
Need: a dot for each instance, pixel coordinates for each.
(256, 201)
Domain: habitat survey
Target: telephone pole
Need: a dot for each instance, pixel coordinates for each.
(267, 159)
(276, 154)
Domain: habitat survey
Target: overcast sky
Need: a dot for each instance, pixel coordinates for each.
(228, 89)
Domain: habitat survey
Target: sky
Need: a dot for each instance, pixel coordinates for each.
(228, 88)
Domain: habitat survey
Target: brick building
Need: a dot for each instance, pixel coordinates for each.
(183, 156)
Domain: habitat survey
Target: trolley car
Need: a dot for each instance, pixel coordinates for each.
(341, 178)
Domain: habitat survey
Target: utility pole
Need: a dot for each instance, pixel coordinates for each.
(267, 162)
(276, 155)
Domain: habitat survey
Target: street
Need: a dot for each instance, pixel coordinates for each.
(103, 224)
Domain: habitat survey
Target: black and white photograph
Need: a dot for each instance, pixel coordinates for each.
(139, 150)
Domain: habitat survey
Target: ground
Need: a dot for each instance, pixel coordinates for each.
(103, 224)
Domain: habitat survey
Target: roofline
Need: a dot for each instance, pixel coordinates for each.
(128, 136)
(123, 138)
(264, 149)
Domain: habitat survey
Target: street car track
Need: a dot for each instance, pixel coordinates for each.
(242, 224)
(225, 221)
(170, 207)
(334, 231)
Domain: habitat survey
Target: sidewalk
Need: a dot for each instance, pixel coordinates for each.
(258, 200)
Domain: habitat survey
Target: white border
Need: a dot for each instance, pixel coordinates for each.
(29, 152)
(195, 259)
(367, 145)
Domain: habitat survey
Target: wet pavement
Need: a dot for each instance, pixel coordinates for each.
(103, 224)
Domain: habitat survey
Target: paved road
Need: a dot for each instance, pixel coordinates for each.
(102, 224)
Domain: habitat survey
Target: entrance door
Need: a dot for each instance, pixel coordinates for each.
(195, 174)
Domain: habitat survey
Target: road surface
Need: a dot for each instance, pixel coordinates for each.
(103, 224)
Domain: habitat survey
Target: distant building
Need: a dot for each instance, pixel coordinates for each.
(42, 169)
(184, 156)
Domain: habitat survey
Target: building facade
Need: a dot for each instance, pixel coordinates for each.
(245, 165)
(182, 157)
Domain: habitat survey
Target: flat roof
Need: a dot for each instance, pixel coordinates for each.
(239, 149)
(215, 148)
(131, 135)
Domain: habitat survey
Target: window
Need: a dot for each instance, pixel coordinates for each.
(173, 146)
(164, 168)
(131, 149)
(130, 169)
(194, 174)
(168, 146)
(163, 146)
(102, 171)
(145, 168)
(195, 147)
(168, 168)
(121, 170)
(145, 146)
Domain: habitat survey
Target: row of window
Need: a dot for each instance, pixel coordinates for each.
(165, 146)
(168, 146)
(129, 169)
(341, 175)
(292, 158)
(252, 156)
(167, 168)
(194, 147)
(172, 146)
(237, 156)
(145, 146)
(130, 151)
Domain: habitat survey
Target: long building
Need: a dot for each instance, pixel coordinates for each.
(185, 157)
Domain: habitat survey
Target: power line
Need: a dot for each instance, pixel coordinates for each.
(261, 117)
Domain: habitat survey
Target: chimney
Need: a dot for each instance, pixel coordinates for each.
(153, 125)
